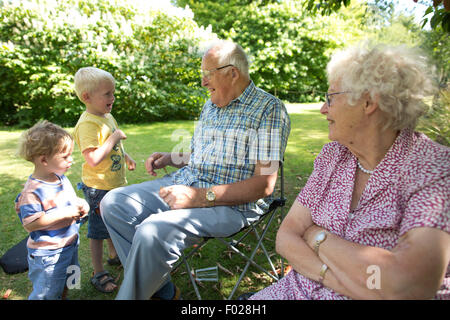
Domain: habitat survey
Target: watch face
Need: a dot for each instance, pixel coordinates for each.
(210, 196)
(320, 237)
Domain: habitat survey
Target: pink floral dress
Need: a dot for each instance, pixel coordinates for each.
(410, 188)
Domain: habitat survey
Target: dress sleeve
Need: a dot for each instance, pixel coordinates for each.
(428, 207)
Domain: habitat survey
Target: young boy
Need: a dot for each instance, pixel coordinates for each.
(49, 210)
(99, 139)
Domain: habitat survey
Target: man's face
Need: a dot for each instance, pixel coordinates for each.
(219, 82)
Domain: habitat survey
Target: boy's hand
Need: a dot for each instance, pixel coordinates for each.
(131, 164)
(119, 135)
(83, 208)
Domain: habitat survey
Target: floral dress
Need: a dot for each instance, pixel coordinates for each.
(410, 188)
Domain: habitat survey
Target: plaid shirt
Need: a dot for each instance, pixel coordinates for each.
(228, 142)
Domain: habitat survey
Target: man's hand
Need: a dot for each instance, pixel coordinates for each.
(182, 197)
(157, 160)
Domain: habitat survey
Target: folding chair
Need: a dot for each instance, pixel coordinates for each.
(230, 241)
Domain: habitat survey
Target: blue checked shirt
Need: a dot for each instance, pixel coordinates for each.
(228, 142)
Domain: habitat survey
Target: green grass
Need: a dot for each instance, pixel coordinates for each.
(308, 134)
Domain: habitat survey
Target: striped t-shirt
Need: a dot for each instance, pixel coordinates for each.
(38, 198)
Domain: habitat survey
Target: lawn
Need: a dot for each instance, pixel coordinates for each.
(308, 134)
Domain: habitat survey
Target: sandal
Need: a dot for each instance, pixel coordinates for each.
(100, 284)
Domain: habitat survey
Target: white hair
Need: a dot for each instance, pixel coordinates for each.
(87, 79)
(397, 76)
(229, 52)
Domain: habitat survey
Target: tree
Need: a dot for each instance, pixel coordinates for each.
(289, 48)
(151, 53)
(439, 8)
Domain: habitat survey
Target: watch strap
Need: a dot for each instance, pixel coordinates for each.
(317, 243)
(323, 270)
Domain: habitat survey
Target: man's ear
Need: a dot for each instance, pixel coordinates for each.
(233, 72)
(235, 75)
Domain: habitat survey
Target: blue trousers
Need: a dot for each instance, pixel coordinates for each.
(49, 273)
(149, 237)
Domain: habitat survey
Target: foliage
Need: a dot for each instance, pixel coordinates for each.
(435, 123)
(151, 53)
(439, 8)
(436, 43)
(289, 47)
(440, 16)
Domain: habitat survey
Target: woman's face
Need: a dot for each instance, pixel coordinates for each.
(344, 120)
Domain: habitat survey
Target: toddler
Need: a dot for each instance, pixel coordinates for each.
(99, 139)
(49, 210)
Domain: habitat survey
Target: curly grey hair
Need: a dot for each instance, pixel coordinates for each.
(397, 76)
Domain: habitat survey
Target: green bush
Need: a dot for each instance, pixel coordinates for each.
(435, 123)
(152, 53)
(289, 47)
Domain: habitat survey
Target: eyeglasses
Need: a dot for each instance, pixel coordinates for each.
(327, 96)
(207, 73)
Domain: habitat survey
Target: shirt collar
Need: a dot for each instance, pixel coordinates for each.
(247, 95)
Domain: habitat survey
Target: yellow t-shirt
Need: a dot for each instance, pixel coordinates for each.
(92, 131)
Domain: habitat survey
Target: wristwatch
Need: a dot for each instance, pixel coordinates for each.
(210, 196)
(318, 240)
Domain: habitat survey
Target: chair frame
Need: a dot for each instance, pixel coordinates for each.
(276, 205)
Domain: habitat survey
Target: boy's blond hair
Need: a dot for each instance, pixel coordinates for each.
(44, 138)
(87, 79)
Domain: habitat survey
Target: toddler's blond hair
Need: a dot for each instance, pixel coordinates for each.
(87, 79)
(44, 138)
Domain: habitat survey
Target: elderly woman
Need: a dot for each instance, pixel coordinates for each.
(372, 221)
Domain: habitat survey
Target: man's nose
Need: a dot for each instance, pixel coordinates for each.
(204, 81)
(324, 108)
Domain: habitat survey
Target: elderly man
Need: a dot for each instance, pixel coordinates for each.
(224, 184)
